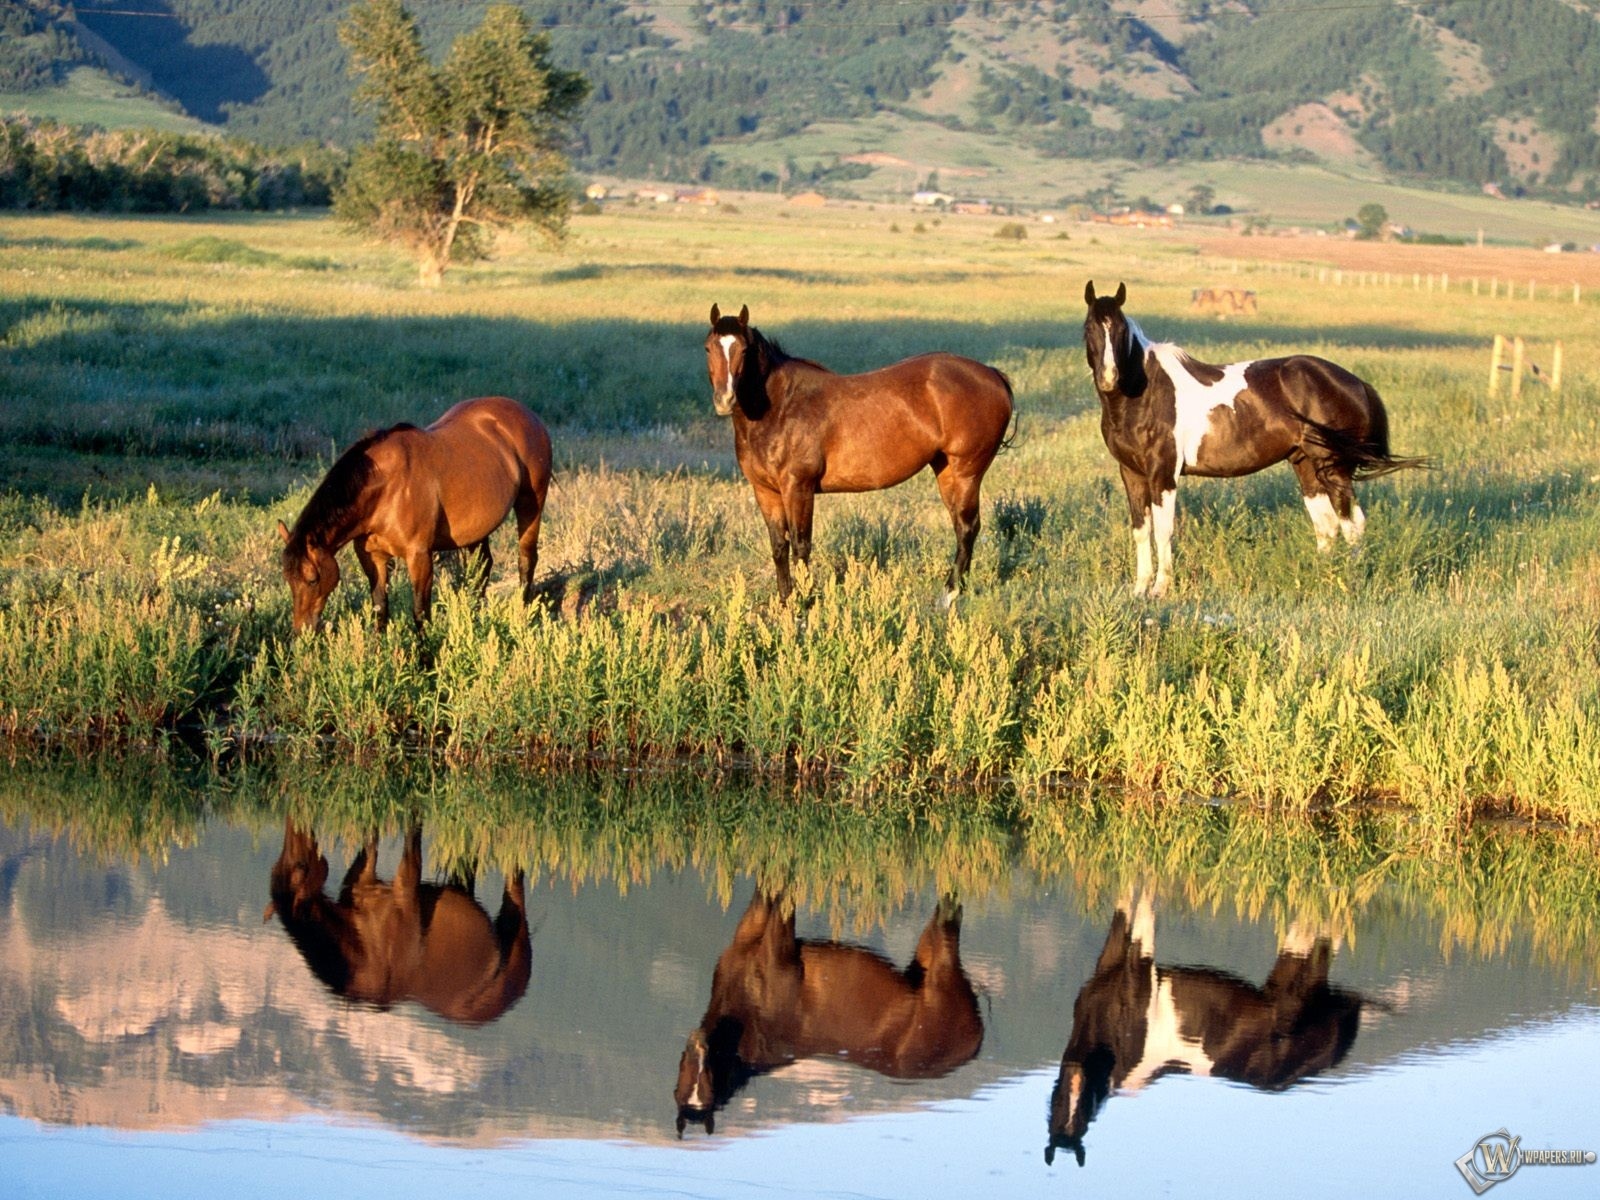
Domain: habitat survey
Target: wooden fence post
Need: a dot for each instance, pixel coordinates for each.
(1518, 349)
(1495, 357)
(1555, 369)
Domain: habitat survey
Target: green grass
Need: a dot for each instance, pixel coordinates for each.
(161, 413)
(91, 97)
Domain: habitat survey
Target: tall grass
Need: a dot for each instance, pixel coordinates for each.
(1452, 665)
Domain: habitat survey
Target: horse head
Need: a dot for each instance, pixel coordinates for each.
(1112, 344)
(1081, 1089)
(726, 347)
(311, 571)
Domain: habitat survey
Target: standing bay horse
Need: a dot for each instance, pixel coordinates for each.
(1164, 414)
(381, 942)
(776, 998)
(406, 492)
(1135, 1021)
(800, 429)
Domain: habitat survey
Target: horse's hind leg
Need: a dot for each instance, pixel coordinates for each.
(530, 515)
(959, 490)
(1322, 499)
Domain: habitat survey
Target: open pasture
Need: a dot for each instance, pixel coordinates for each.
(172, 388)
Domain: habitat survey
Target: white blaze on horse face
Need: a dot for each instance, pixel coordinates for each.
(1196, 401)
(1108, 356)
(1324, 520)
(726, 341)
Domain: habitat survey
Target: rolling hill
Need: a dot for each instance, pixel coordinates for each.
(1018, 98)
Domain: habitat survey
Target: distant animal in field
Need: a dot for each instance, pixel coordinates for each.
(1223, 300)
(1164, 414)
(776, 999)
(383, 942)
(1136, 1021)
(406, 493)
(800, 429)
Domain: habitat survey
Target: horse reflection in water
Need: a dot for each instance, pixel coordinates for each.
(1135, 1021)
(776, 998)
(381, 943)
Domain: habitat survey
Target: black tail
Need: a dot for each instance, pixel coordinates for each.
(1016, 418)
(1368, 457)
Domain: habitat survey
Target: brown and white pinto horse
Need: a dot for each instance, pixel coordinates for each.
(776, 999)
(380, 943)
(1164, 414)
(406, 492)
(800, 429)
(1135, 1021)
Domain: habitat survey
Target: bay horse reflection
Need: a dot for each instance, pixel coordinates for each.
(800, 429)
(1135, 1021)
(776, 998)
(1164, 414)
(381, 943)
(405, 493)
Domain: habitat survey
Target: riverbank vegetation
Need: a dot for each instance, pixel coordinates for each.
(161, 414)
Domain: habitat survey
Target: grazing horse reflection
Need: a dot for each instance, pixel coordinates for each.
(1135, 1021)
(383, 942)
(776, 998)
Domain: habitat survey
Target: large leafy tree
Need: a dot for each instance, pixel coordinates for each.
(464, 148)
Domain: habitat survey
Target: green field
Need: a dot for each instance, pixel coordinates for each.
(91, 97)
(171, 388)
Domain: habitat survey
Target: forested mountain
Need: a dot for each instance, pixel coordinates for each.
(1467, 91)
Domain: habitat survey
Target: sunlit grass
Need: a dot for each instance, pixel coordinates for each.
(1452, 664)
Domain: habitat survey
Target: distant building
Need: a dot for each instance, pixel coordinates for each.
(974, 208)
(932, 199)
(707, 196)
(808, 200)
(596, 191)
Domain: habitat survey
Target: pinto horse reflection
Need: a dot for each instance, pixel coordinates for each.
(776, 998)
(1135, 1021)
(381, 942)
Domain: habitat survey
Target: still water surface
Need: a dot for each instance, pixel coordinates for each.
(383, 1033)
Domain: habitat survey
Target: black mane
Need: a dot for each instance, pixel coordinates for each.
(337, 497)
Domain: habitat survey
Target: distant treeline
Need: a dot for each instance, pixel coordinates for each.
(48, 167)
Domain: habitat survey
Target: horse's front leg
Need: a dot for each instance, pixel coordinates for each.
(771, 505)
(799, 503)
(419, 565)
(1138, 491)
(376, 569)
(1162, 513)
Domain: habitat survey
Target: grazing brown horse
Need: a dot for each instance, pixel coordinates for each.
(406, 492)
(776, 999)
(1164, 414)
(383, 942)
(800, 429)
(1135, 1021)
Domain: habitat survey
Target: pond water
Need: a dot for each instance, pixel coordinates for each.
(386, 1032)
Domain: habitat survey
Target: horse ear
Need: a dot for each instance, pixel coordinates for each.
(283, 532)
(1122, 293)
(716, 315)
(1088, 292)
(744, 316)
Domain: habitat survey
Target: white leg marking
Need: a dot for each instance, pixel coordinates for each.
(1355, 526)
(1141, 551)
(1300, 941)
(1323, 519)
(1144, 926)
(1163, 515)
